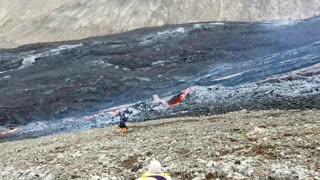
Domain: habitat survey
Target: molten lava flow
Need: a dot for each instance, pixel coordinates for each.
(179, 98)
(175, 100)
(8, 131)
(124, 108)
(113, 113)
(157, 99)
(86, 118)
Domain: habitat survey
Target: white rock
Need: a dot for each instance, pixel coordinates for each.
(76, 154)
(49, 177)
(103, 159)
(173, 141)
(257, 130)
(105, 178)
(60, 156)
(8, 169)
(244, 111)
(202, 161)
(168, 159)
(210, 163)
(95, 178)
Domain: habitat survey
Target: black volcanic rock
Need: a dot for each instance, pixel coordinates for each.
(45, 82)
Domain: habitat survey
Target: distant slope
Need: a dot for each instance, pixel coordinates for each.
(42, 84)
(32, 21)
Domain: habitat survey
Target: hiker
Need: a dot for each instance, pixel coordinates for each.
(123, 128)
(154, 172)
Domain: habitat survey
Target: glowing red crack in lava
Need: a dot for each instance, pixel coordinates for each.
(115, 111)
(8, 131)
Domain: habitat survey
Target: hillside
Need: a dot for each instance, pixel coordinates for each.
(241, 145)
(32, 21)
(240, 81)
(227, 66)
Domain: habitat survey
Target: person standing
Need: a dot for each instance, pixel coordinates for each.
(123, 127)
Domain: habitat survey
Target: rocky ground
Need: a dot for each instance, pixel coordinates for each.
(239, 145)
(51, 81)
(282, 93)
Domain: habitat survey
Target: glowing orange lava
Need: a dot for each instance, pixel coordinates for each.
(115, 111)
(180, 98)
(8, 131)
(86, 118)
(157, 99)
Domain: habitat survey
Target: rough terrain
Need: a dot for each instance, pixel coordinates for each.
(33, 21)
(53, 81)
(242, 145)
(261, 77)
(50, 88)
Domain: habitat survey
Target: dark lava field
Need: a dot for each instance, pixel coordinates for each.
(230, 66)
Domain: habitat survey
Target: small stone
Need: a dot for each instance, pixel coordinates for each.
(309, 178)
(238, 162)
(318, 148)
(168, 159)
(74, 176)
(210, 175)
(197, 178)
(271, 178)
(244, 111)
(202, 161)
(173, 141)
(278, 143)
(49, 177)
(209, 164)
(95, 178)
(60, 156)
(103, 159)
(8, 169)
(136, 167)
(105, 178)
(257, 130)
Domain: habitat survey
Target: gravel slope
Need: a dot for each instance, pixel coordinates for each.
(240, 145)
